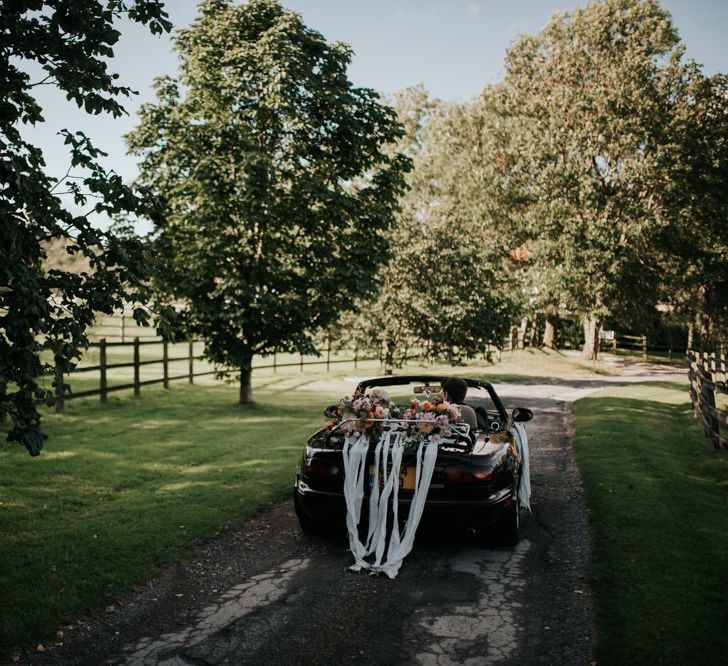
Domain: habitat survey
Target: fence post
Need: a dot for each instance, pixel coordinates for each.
(275, 360)
(59, 385)
(328, 353)
(137, 384)
(103, 386)
(165, 363)
(301, 362)
(191, 348)
(708, 391)
(695, 387)
(644, 347)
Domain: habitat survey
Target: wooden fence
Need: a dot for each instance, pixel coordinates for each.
(704, 371)
(641, 345)
(630, 344)
(103, 366)
(136, 364)
(120, 327)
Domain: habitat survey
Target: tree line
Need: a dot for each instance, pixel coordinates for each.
(587, 185)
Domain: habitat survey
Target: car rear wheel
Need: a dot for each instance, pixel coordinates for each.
(308, 524)
(507, 529)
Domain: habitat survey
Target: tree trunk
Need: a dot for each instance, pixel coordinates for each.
(691, 335)
(534, 331)
(390, 349)
(704, 333)
(522, 333)
(591, 337)
(549, 335)
(246, 388)
(551, 329)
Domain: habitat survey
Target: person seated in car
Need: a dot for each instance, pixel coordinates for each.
(454, 390)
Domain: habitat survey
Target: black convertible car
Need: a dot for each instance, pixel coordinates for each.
(475, 483)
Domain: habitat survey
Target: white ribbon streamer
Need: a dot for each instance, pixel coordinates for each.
(524, 487)
(388, 454)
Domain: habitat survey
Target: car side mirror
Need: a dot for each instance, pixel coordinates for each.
(521, 414)
(331, 411)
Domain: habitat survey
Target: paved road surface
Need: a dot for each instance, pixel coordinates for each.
(269, 594)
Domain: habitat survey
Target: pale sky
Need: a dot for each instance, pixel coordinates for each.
(453, 47)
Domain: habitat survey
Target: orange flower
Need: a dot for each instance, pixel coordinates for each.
(442, 407)
(426, 406)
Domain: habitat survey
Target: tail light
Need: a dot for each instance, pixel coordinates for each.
(316, 468)
(455, 475)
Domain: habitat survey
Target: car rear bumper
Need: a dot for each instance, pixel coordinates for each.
(329, 508)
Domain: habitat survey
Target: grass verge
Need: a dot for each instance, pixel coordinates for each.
(124, 489)
(657, 494)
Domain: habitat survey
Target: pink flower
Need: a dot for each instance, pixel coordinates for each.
(453, 413)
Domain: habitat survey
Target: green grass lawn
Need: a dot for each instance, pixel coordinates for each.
(124, 489)
(657, 492)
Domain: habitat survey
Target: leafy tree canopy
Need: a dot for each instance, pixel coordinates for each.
(42, 309)
(593, 101)
(276, 179)
(448, 283)
(693, 262)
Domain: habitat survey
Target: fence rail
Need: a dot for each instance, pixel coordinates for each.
(642, 345)
(103, 366)
(703, 368)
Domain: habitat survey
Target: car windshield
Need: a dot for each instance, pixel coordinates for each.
(401, 394)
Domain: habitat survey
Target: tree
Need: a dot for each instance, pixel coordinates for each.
(467, 277)
(448, 282)
(694, 260)
(47, 310)
(276, 183)
(591, 101)
(378, 322)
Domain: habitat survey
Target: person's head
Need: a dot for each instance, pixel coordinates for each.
(379, 394)
(454, 389)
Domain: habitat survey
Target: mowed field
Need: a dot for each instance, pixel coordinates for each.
(124, 489)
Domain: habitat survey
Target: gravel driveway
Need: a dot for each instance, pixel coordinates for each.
(268, 594)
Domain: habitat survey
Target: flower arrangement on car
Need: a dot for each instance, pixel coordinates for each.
(364, 413)
(434, 417)
(367, 414)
